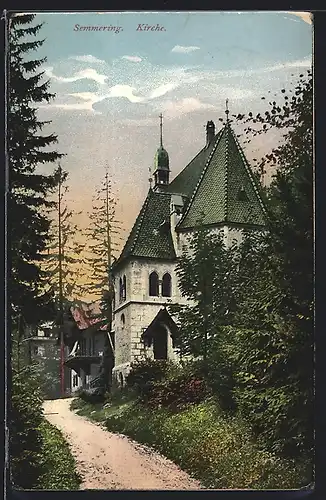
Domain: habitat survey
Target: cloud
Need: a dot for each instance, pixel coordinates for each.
(162, 90)
(88, 59)
(132, 58)
(174, 109)
(125, 91)
(305, 16)
(88, 74)
(181, 49)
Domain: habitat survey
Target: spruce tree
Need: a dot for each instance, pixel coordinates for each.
(63, 261)
(28, 231)
(103, 235)
(28, 148)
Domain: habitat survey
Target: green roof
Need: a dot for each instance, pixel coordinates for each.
(150, 236)
(226, 191)
(186, 181)
(161, 159)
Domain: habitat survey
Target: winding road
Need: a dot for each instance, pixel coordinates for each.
(108, 461)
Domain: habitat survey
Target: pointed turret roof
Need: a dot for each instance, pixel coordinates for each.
(151, 236)
(226, 191)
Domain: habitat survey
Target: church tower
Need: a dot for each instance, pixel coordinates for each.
(161, 163)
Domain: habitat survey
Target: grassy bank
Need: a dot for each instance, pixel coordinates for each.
(218, 451)
(57, 463)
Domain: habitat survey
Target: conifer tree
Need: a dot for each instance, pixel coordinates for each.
(28, 231)
(27, 148)
(104, 235)
(64, 261)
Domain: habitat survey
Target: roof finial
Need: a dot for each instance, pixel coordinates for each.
(150, 179)
(161, 130)
(227, 109)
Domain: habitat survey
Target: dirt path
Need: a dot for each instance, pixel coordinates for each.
(112, 461)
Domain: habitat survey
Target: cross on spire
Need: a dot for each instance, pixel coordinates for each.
(161, 130)
(227, 109)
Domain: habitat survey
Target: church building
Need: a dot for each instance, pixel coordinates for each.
(217, 189)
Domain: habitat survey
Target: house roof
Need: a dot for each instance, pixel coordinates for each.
(87, 314)
(150, 236)
(226, 191)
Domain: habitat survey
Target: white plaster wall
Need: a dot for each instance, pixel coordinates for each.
(139, 308)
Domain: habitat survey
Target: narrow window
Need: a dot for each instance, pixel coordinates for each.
(123, 320)
(124, 288)
(166, 285)
(120, 290)
(153, 284)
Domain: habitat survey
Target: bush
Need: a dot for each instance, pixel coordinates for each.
(26, 442)
(93, 396)
(146, 371)
(175, 393)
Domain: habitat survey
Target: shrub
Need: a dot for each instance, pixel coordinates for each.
(175, 393)
(25, 444)
(93, 396)
(146, 371)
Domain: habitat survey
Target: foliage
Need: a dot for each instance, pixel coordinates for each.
(174, 393)
(93, 396)
(103, 235)
(273, 331)
(63, 260)
(57, 463)
(25, 437)
(146, 371)
(205, 274)
(29, 189)
(216, 450)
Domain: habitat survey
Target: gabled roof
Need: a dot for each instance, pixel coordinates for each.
(162, 317)
(186, 181)
(87, 314)
(226, 191)
(150, 236)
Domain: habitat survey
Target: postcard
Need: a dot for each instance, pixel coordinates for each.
(160, 170)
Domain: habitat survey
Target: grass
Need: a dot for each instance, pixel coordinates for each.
(217, 450)
(58, 464)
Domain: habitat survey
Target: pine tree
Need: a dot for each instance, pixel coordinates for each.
(104, 235)
(63, 260)
(28, 195)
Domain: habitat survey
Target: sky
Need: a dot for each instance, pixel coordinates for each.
(111, 85)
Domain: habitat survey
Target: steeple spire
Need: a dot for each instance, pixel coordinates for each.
(227, 110)
(161, 130)
(161, 162)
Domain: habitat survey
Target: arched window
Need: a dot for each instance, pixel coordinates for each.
(123, 320)
(120, 290)
(153, 284)
(124, 288)
(166, 285)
